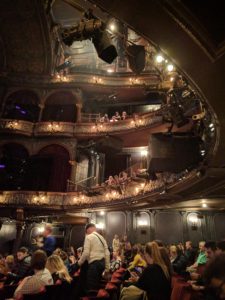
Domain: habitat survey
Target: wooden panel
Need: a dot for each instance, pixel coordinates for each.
(169, 227)
(219, 221)
(115, 224)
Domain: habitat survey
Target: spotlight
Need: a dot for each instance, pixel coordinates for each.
(204, 205)
(92, 29)
(159, 58)
(112, 27)
(170, 68)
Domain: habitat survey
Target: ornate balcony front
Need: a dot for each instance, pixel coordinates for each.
(67, 129)
(16, 126)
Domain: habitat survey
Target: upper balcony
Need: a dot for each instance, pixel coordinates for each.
(91, 128)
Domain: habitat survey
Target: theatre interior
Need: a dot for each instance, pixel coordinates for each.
(112, 112)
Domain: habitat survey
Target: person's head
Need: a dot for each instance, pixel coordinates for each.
(210, 247)
(22, 253)
(125, 238)
(116, 236)
(56, 265)
(48, 230)
(201, 246)
(117, 113)
(188, 245)
(9, 260)
(116, 253)
(178, 81)
(136, 249)
(214, 276)
(38, 260)
(90, 227)
(124, 113)
(173, 251)
(159, 243)
(153, 256)
(79, 252)
(220, 247)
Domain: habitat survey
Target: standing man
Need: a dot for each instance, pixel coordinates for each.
(49, 240)
(96, 253)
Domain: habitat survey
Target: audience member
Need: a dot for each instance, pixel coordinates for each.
(214, 278)
(124, 115)
(125, 247)
(22, 268)
(178, 260)
(155, 279)
(220, 247)
(49, 240)
(190, 253)
(116, 262)
(57, 268)
(117, 116)
(116, 243)
(211, 249)
(34, 284)
(201, 259)
(137, 256)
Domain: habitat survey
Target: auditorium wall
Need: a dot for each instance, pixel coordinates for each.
(140, 226)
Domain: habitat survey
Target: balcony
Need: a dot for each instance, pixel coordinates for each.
(67, 129)
(134, 194)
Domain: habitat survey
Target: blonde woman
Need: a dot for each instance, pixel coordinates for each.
(155, 279)
(57, 268)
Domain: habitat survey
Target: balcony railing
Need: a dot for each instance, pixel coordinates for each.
(83, 128)
(134, 192)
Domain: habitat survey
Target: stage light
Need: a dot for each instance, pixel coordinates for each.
(94, 30)
(170, 68)
(159, 58)
(204, 205)
(112, 27)
(102, 213)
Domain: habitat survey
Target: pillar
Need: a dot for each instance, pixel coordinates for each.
(79, 108)
(19, 229)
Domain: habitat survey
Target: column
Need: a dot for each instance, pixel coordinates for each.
(42, 106)
(19, 229)
(79, 108)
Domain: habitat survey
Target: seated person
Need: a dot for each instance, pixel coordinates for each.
(214, 278)
(124, 115)
(155, 279)
(178, 260)
(137, 255)
(117, 116)
(57, 268)
(34, 284)
(111, 181)
(190, 253)
(201, 259)
(116, 262)
(22, 268)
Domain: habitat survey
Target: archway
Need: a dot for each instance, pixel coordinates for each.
(49, 169)
(13, 166)
(61, 107)
(22, 105)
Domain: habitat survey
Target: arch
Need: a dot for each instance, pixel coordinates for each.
(22, 105)
(49, 169)
(13, 166)
(60, 106)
